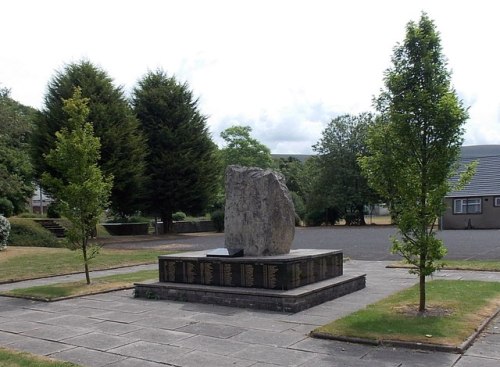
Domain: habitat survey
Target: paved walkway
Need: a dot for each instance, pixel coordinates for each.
(114, 329)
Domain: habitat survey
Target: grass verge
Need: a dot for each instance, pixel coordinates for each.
(479, 265)
(57, 291)
(20, 263)
(11, 358)
(455, 310)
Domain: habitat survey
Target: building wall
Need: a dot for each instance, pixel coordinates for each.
(489, 218)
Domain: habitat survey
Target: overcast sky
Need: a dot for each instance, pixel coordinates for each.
(286, 68)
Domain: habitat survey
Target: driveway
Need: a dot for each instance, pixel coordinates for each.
(360, 243)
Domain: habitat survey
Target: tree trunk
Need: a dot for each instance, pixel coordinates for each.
(166, 218)
(85, 260)
(421, 307)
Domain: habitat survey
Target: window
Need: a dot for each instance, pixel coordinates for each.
(497, 201)
(467, 206)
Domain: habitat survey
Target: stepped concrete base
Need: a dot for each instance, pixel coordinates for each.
(292, 301)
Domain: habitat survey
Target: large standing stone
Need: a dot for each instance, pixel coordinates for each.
(259, 213)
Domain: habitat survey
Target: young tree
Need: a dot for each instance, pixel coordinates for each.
(340, 178)
(244, 150)
(182, 165)
(414, 147)
(16, 179)
(79, 185)
(122, 145)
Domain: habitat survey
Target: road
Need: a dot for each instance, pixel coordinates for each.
(360, 243)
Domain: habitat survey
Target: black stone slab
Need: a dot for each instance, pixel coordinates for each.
(282, 272)
(224, 252)
(294, 300)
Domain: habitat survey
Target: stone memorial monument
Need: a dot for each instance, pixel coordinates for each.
(259, 213)
(256, 269)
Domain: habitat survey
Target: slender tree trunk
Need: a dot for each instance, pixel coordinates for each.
(166, 218)
(85, 260)
(421, 306)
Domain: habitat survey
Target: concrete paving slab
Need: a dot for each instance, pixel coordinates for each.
(116, 316)
(36, 316)
(484, 349)
(39, 346)
(341, 361)
(87, 357)
(134, 362)
(56, 333)
(275, 355)
(72, 320)
(163, 322)
(472, 361)
(115, 328)
(197, 358)
(333, 347)
(8, 338)
(275, 339)
(99, 341)
(159, 336)
(19, 326)
(215, 330)
(410, 358)
(212, 345)
(151, 351)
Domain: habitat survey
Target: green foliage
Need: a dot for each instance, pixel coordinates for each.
(340, 182)
(415, 144)
(4, 232)
(182, 166)
(122, 145)
(218, 219)
(15, 164)
(179, 216)
(79, 185)
(26, 232)
(53, 211)
(6, 207)
(241, 149)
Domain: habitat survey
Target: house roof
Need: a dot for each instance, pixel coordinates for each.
(486, 181)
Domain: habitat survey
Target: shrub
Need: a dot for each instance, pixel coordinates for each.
(218, 219)
(30, 215)
(315, 218)
(4, 232)
(6, 207)
(179, 216)
(52, 211)
(25, 232)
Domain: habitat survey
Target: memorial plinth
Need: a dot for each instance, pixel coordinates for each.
(287, 283)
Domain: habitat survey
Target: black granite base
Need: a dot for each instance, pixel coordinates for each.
(282, 272)
(292, 301)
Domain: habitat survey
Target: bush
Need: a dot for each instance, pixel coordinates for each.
(52, 211)
(6, 207)
(30, 215)
(178, 216)
(26, 232)
(315, 218)
(4, 232)
(218, 219)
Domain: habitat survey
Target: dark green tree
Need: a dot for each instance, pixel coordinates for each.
(182, 166)
(79, 186)
(339, 181)
(414, 147)
(122, 145)
(293, 171)
(16, 180)
(241, 149)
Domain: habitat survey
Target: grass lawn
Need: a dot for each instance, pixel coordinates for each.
(80, 288)
(455, 310)
(481, 265)
(10, 358)
(18, 263)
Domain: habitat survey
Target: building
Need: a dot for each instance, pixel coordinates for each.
(477, 205)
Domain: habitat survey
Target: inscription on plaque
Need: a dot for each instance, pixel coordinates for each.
(270, 276)
(296, 275)
(190, 273)
(207, 273)
(170, 271)
(247, 272)
(228, 274)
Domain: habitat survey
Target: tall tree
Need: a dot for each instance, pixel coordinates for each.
(339, 179)
(182, 164)
(244, 150)
(78, 184)
(16, 123)
(122, 145)
(414, 147)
